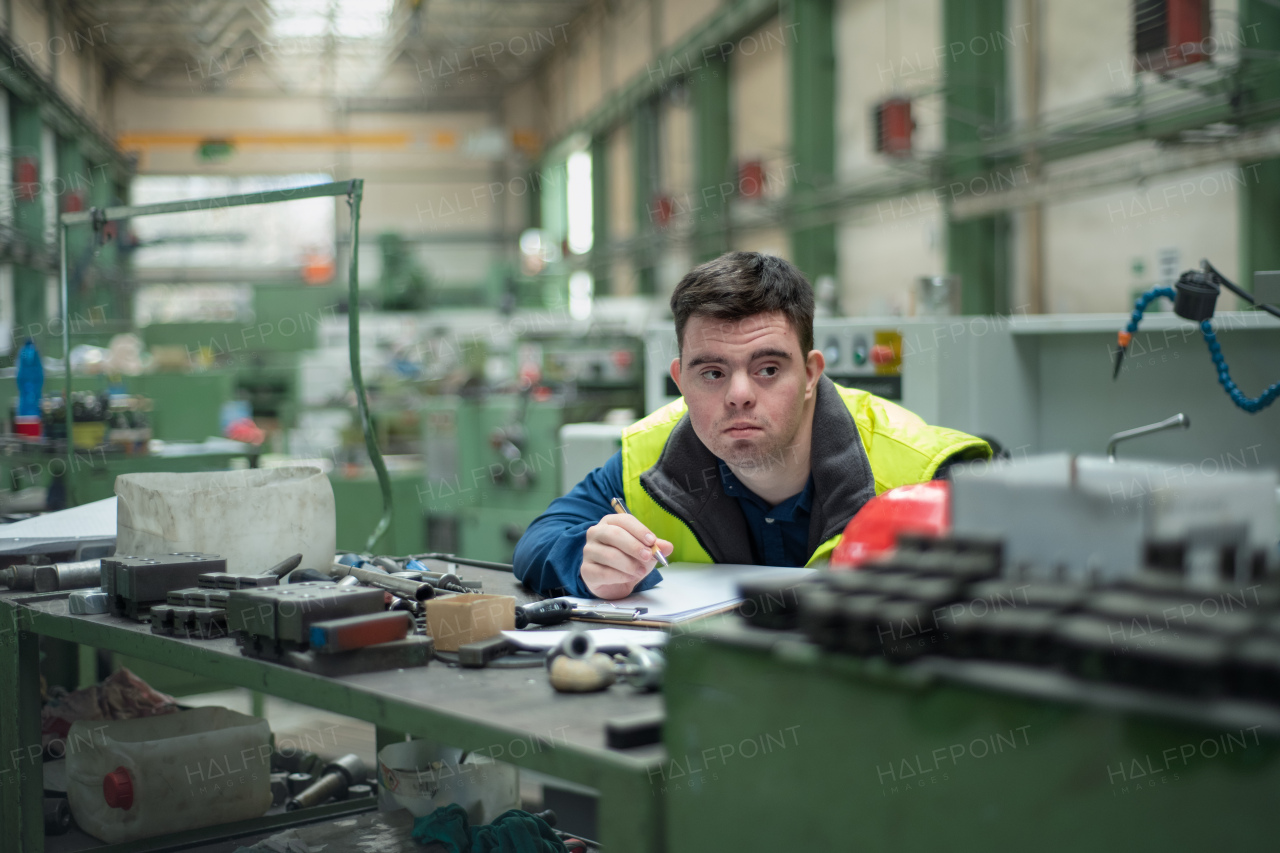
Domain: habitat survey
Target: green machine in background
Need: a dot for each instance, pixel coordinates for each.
(491, 466)
(774, 744)
(260, 354)
(492, 461)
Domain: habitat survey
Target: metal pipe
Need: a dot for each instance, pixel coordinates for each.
(1178, 420)
(66, 366)
(126, 211)
(58, 576)
(400, 586)
(354, 193)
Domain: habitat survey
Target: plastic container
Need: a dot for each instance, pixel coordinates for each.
(254, 518)
(30, 380)
(155, 775)
(422, 776)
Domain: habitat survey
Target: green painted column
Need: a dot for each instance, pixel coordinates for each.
(644, 161)
(813, 128)
(73, 182)
(601, 242)
(28, 281)
(714, 173)
(1260, 196)
(976, 96)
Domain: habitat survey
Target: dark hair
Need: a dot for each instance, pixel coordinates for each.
(738, 285)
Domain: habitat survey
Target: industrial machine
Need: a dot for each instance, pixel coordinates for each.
(1092, 638)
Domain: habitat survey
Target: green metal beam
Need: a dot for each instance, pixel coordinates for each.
(1259, 200)
(975, 96)
(688, 58)
(813, 127)
(601, 259)
(35, 260)
(713, 160)
(645, 169)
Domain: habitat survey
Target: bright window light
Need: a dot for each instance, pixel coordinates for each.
(343, 19)
(581, 289)
(579, 192)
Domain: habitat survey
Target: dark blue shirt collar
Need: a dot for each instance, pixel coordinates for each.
(733, 487)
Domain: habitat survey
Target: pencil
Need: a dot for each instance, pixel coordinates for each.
(622, 510)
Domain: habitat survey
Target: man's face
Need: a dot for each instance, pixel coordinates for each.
(746, 384)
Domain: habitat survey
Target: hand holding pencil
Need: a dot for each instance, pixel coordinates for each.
(616, 503)
(619, 552)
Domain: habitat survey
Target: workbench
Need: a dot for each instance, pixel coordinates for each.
(511, 715)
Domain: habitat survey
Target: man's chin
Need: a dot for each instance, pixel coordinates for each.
(745, 453)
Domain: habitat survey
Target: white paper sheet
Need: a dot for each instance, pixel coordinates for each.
(606, 639)
(689, 590)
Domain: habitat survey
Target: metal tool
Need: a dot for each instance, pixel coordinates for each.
(576, 667)
(134, 584)
(85, 602)
(642, 668)
(285, 566)
(275, 619)
(57, 815)
(52, 577)
(358, 632)
(334, 781)
(1177, 421)
(299, 782)
(417, 590)
(552, 611)
(610, 614)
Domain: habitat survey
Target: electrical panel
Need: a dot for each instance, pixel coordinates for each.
(893, 127)
(1169, 34)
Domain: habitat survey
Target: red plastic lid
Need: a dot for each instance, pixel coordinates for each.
(117, 789)
(918, 508)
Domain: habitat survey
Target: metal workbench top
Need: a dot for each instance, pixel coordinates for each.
(509, 714)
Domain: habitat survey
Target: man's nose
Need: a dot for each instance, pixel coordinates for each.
(741, 392)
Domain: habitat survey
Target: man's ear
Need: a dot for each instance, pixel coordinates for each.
(675, 372)
(813, 367)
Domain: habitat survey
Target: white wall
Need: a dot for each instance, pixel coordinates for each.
(1093, 240)
(886, 48)
(431, 185)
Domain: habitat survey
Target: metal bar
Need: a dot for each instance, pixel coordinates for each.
(262, 197)
(229, 831)
(21, 781)
(1179, 420)
(64, 297)
(357, 377)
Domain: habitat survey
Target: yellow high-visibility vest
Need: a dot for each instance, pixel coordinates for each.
(900, 447)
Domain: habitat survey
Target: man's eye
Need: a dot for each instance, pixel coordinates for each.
(711, 374)
(771, 370)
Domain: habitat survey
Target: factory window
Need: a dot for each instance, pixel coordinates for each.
(269, 236)
(579, 198)
(581, 295)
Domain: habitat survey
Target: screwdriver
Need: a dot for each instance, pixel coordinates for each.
(622, 510)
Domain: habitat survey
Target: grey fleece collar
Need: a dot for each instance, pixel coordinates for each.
(685, 481)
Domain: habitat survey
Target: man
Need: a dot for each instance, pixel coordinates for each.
(763, 461)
